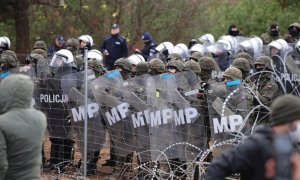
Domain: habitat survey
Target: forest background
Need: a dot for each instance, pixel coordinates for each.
(177, 21)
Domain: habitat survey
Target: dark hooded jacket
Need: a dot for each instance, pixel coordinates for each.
(21, 130)
(248, 158)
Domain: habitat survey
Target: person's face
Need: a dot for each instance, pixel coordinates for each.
(82, 44)
(293, 125)
(274, 51)
(172, 70)
(115, 31)
(59, 43)
(226, 79)
(133, 68)
(259, 66)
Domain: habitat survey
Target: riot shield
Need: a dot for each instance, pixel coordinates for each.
(229, 112)
(109, 92)
(171, 115)
(291, 77)
(137, 99)
(73, 85)
(53, 102)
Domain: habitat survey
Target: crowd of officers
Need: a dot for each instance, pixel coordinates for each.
(252, 64)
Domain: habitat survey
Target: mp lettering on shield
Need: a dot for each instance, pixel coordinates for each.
(113, 116)
(232, 121)
(78, 113)
(164, 116)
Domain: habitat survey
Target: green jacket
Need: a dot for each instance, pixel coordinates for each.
(21, 130)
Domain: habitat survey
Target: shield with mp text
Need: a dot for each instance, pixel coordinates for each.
(110, 93)
(95, 124)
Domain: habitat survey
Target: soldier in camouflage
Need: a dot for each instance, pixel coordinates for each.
(72, 45)
(142, 68)
(246, 56)
(124, 67)
(232, 73)
(156, 66)
(293, 33)
(207, 66)
(272, 34)
(195, 56)
(40, 45)
(244, 66)
(175, 66)
(265, 85)
(8, 62)
(193, 66)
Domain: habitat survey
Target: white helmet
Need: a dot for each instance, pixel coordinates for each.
(165, 45)
(90, 40)
(87, 38)
(135, 59)
(207, 39)
(197, 48)
(95, 54)
(279, 44)
(253, 46)
(232, 44)
(182, 50)
(297, 45)
(4, 42)
(62, 57)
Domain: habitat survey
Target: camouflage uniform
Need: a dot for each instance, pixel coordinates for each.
(196, 56)
(142, 68)
(73, 45)
(293, 28)
(177, 64)
(9, 61)
(193, 66)
(246, 56)
(125, 65)
(156, 66)
(243, 65)
(265, 86)
(40, 45)
(267, 37)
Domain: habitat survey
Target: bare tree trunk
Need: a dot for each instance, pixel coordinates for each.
(22, 27)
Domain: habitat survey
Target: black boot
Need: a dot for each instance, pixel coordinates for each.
(92, 163)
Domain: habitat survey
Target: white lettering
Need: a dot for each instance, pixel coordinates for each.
(234, 121)
(155, 118)
(139, 120)
(123, 109)
(179, 118)
(190, 113)
(113, 117)
(221, 126)
(166, 114)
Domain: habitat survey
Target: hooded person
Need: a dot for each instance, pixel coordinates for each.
(293, 33)
(22, 129)
(272, 34)
(250, 157)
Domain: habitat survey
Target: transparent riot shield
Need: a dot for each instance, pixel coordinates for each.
(194, 129)
(291, 78)
(171, 115)
(110, 93)
(73, 85)
(53, 102)
(229, 113)
(137, 99)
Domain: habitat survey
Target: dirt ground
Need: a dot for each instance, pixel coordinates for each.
(103, 172)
